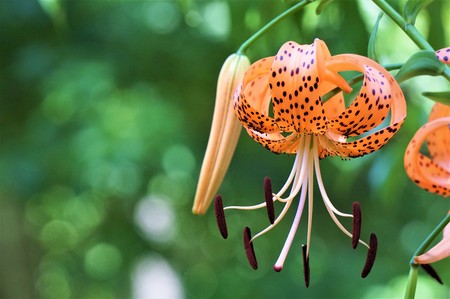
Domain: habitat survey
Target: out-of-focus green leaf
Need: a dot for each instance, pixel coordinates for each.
(321, 6)
(421, 63)
(412, 9)
(373, 36)
(441, 96)
(55, 11)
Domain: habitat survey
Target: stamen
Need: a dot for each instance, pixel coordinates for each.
(310, 201)
(356, 226)
(249, 250)
(325, 197)
(298, 159)
(220, 216)
(306, 269)
(430, 270)
(371, 255)
(298, 215)
(299, 177)
(269, 199)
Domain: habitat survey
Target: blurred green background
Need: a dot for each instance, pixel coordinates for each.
(104, 118)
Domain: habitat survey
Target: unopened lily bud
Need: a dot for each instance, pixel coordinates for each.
(225, 131)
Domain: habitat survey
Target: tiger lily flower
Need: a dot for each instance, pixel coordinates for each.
(431, 174)
(225, 131)
(280, 105)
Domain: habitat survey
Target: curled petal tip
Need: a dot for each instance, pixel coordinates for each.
(225, 131)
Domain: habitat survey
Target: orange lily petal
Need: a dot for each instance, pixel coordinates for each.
(440, 251)
(438, 141)
(251, 105)
(294, 81)
(385, 94)
(426, 172)
(370, 107)
(443, 55)
(297, 77)
(276, 142)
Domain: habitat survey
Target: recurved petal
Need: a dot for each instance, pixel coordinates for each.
(389, 88)
(276, 142)
(334, 106)
(225, 130)
(370, 107)
(425, 172)
(438, 141)
(360, 147)
(443, 55)
(440, 251)
(252, 100)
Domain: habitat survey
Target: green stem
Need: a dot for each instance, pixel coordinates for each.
(412, 282)
(409, 29)
(271, 24)
(437, 230)
(412, 278)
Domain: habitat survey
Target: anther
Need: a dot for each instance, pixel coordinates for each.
(356, 226)
(371, 255)
(306, 269)
(249, 250)
(430, 270)
(269, 199)
(220, 216)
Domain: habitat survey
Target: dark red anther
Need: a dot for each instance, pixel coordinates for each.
(220, 216)
(430, 270)
(249, 250)
(356, 227)
(269, 199)
(306, 269)
(371, 255)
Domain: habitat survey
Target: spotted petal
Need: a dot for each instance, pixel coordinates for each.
(293, 83)
(368, 110)
(443, 55)
(430, 174)
(438, 141)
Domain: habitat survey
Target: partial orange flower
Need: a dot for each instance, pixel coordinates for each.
(431, 173)
(225, 131)
(443, 55)
(280, 105)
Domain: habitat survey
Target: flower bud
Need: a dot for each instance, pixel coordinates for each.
(225, 131)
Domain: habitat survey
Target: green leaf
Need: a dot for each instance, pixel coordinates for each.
(373, 36)
(441, 97)
(54, 9)
(412, 9)
(421, 63)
